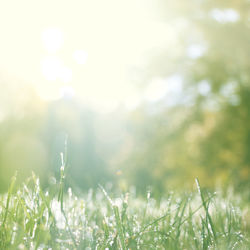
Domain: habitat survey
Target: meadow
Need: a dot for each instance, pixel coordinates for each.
(33, 218)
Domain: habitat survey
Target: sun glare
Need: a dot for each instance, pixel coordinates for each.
(51, 68)
(52, 39)
(80, 56)
(92, 50)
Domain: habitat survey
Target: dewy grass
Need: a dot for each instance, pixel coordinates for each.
(33, 218)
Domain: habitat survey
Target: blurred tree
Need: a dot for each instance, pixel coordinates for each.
(206, 132)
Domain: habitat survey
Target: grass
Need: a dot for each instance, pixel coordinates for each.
(31, 218)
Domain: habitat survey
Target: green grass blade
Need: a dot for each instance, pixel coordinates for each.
(206, 208)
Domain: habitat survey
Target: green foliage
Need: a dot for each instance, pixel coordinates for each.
(205, 133)
(31, 218)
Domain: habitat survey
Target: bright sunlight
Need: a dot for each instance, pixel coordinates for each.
(91, 53)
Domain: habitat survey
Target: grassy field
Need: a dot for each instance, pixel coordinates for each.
(31, 218)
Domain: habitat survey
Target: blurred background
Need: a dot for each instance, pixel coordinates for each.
(147, 93)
